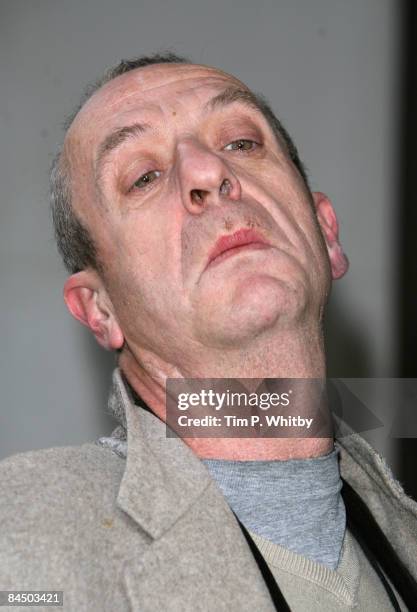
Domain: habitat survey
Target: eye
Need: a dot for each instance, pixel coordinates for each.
(244, 144)
(147, 178)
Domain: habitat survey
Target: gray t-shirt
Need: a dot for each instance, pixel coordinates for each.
(295, 503)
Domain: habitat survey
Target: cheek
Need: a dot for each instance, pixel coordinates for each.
(139, 268)
(144, 267)
(140, 300)
(136, 246)
(291, 207)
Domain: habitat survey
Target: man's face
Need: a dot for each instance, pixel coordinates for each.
(162, 168)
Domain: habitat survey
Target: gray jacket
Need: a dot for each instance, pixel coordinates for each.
(152, 532)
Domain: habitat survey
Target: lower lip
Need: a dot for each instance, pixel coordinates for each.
(252, 246)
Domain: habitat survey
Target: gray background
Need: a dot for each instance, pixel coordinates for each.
(331, 71)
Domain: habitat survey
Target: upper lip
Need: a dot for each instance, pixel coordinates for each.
(231, 241)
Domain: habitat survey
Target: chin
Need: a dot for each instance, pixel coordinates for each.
(257, 305)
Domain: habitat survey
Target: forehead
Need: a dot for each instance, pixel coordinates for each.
(152, 89)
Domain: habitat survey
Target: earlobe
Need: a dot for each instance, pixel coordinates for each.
(87, 301)
(330, 229)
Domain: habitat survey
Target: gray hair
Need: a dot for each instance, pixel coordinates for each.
(74, 241)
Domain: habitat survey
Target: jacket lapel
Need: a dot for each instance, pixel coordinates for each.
(197, 558)
(396, 513)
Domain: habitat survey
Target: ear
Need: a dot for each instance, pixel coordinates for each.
(87, 300)
(330, 229)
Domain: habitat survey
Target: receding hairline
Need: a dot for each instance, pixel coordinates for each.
(159, 67)
(64, 160)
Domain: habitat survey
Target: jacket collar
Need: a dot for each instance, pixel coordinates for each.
(163, 477)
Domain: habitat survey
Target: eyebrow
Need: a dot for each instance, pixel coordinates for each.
(234, 94)
(115, 139)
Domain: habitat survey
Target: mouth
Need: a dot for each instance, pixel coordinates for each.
(229, 245)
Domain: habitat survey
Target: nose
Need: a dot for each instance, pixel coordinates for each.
(205, 178)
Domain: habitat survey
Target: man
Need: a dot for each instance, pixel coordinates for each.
(197, 250)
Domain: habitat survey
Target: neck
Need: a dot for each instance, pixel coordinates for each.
(291, 355)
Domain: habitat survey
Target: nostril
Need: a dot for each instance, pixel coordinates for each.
(197, 195)
(225, 187)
